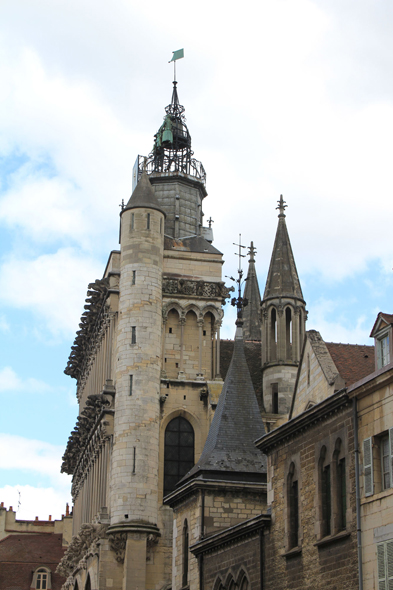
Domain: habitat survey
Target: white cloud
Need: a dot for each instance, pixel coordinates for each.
(35, 501)
(324, 316)
(39, 457)
(9, 381)
(52, 286)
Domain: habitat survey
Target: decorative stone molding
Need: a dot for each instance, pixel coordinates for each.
(84, 544)
(90, 430)
(190, 288)
(93, 324)
(118, 542)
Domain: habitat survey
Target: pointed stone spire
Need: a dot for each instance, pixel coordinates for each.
(283, 323)
(252, 311)
(229, 451)
(143, 196)
(282, 279)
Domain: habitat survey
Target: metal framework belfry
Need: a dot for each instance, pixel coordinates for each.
(283, 322)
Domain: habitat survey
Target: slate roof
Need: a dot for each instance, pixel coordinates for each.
(353, 361)
(282, 279)
(20, 555)
(143, 196)
(252, 351)
(229, 452)
(192, 244)
(251, 313)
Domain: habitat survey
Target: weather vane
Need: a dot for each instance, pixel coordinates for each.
(176, 55)
(239, 302)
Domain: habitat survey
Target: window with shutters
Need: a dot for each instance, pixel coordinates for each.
(368, 467)
(385, 565)
(383, 350)
(178, 453)
(378, 463)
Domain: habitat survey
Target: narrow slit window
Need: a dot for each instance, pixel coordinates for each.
(148, 221)
(132, 220)
(131, 384)
(133, 277)
(133, 335)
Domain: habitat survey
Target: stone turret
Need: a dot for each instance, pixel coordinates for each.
(283, 323)
(252, 311)
(135, 456)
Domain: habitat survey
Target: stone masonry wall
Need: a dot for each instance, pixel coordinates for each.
(232, 562)
(331, 564)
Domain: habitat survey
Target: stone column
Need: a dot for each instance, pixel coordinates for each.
(182, 322)
(218, 376)
(200, 323)
(281, 335)
(163, 371)
(134, 573)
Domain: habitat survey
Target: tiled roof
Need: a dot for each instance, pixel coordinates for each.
(20, 555)
(237, 423)
(353, 361)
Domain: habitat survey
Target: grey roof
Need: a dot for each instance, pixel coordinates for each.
(191, 244)
(282, 279)
(143, 196)
(229, 452)
(252, 311)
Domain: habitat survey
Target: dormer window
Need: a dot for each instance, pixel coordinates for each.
(41, 579)
(383, 353)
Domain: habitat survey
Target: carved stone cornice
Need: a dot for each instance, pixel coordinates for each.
(93, 323)
(90, 422)
(84, 544)
(192, 288)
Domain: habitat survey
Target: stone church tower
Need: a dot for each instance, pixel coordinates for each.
(283, 323)
(147, 364)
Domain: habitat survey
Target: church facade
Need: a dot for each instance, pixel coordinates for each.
(182, 479)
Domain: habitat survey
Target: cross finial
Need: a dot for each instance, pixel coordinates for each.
(252, 252)
(122, 205)
(281, 206)
(210, 221)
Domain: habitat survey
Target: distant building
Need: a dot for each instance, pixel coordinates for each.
(31, 550)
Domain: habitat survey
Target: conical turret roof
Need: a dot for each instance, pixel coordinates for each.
(143, 196)
(251, 313)
(282, 279)
(229, 452)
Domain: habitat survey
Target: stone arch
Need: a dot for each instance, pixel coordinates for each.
(230, 580)
(217, 314)
(172, 305)
(218, 583)
(192, 307)
(242, 580)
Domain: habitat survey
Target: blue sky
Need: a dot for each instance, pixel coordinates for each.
(284, 96)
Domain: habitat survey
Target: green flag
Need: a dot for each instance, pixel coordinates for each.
(177, 55)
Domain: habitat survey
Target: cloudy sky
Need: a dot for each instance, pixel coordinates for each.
(281, 96)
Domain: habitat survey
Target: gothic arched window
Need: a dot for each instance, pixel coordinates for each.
(179, 452)
(88, 583)
(293, 507)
